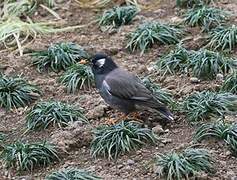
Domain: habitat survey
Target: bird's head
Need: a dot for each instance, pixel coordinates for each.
(102, 64)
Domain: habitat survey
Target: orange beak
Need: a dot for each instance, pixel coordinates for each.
(83, 61)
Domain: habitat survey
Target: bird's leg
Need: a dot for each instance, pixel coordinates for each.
(112, 121)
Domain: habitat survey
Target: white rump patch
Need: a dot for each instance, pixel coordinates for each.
(100, 62)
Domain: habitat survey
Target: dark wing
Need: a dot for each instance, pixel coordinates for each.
(124, 85)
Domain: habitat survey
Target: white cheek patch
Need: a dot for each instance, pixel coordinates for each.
(100, 62)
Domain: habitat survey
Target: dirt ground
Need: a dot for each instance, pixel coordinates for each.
(136, 165)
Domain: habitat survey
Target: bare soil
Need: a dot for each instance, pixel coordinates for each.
(178, 134)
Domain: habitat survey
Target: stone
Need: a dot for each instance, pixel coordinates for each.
(166, 141)
(158, 129)
(219, 77)
(194, 80)
(97, 112)
(130, 162)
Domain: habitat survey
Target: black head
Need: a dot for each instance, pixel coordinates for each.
(102, 64)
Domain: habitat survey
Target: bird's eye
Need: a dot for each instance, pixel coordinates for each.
(100, 62)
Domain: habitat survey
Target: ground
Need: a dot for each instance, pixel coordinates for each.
(136, 165)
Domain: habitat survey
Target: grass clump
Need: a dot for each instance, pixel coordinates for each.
(27, 156)
(59, 56)
(204, 105)
(185, 164)
(162, 95)
(230, 83)
(78, 76)
(16, 92)
(148, 34)
(206, 64)
(203, 64)
(217, 129)
(111, 141)
(176, 61)
(72, 173)
(206, 17)
(223, 37)
(15, 33)
(192, 3)
(53, 113)
(118, 16)
(18, 8)
(220, 130)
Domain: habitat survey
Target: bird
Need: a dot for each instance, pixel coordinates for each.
(123, 90)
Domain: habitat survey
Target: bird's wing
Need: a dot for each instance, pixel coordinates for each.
(124, 85)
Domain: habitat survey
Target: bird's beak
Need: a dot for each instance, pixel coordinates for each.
(83, 61)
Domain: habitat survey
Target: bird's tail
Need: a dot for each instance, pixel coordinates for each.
(166, 113)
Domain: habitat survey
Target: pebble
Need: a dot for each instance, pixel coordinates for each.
(194, 80)
(165, 141)
(228, 153)
(130, 162)
(158, 129)
(97, 112)
(219, 77)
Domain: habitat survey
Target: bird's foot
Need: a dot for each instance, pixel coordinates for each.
(113, 121)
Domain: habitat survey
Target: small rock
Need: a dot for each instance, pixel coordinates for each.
(130, 162)
(194, 80)
(228, 153)
(97, 112)
(166, 141)
(161, 145)
(219, 77)
(158, 129)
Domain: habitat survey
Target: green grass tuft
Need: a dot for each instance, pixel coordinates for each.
(204, 105)
(187, 164)
(118, 16)
(72, 173)
(217, 129)
(206, 17)
(58, 56)
(27, 156)
(220, 130)
(148, 34)
(203, 64)
(111, 141)
(78, 76)
(53, 113)
(223, 37)
(176, 61)
(16, 92)
(230, 83)
(207, 64)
